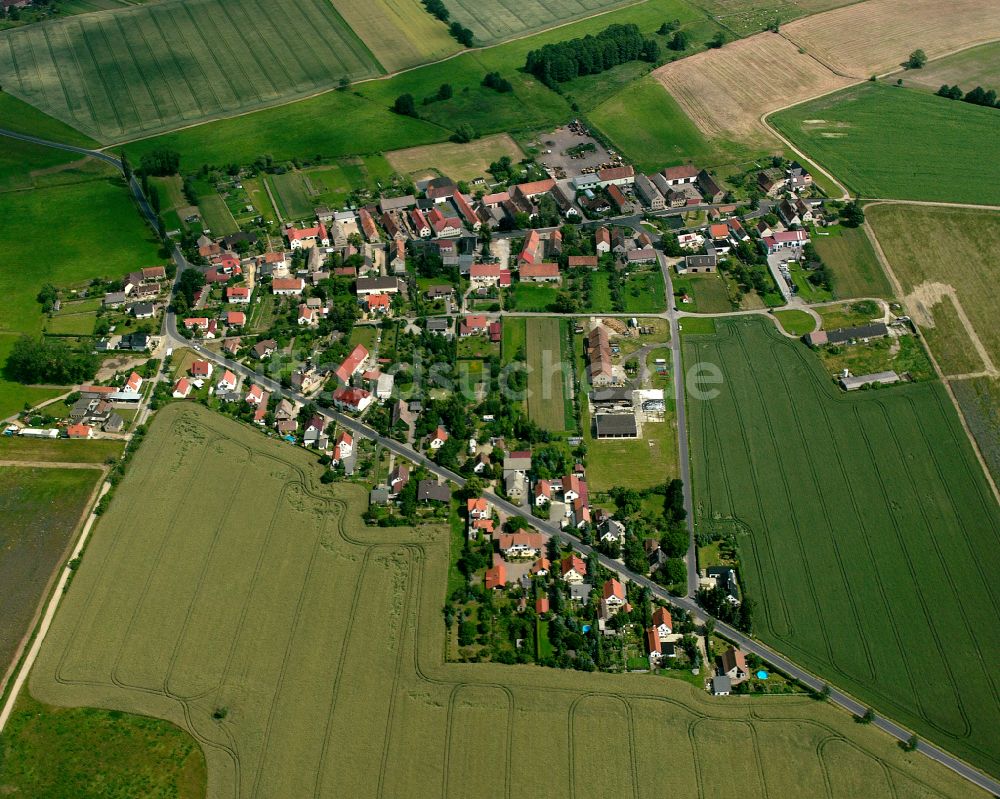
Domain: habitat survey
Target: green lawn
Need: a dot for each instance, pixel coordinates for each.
(18, 116)
(292, 196)
(707, 292)
(693, 325)
(532, 297)
(868, 520)
(364, 334)
(216, 215)
(644, 292)
(855, 267)
(883, 141)
(513, 338)
(798, 323)
(13, 448)
(645, 122)
(83, 753)
(807, 290)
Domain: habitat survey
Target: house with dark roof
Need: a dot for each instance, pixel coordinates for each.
(433, 491)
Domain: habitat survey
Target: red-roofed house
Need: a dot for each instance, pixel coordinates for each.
(496, 575)
(584, 261)
(496, 332)
(616, 176)
(227, 382)
(438, 437)
(182, 388)
(255, 395)
(473, 325)
(260, 415)
(539, 273)
(235, 318)
(368, 226)
(352, 399)
(542, 605)
(543, 492)
(352, 364)
(573, 569)
(541, 567)
(612, 598)
(482, 275)
(378, 303)
(734, 664)
(680, 175)
(534, 188)
(238, 294)
(80, 431)
(133, 384)
(196, 323)
(299, 238)
(420, 224)
(653, 644)
(444, 226)
(288, 285)
(533, 249)
(602, 240)
(307, 315)
(462, 204)
(343, 447)
(521, 544)
(201, 369)
(478, 508)
(662, 623)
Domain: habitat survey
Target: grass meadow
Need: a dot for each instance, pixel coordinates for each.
(795, 322)
(886, 142)
(329, 678)
(146, 69)
(852, 260)
(977, 66)
(646, 124)
(546, 386)
(40, 508)
(866, 520)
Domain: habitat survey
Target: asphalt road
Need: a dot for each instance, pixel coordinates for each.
(747, 644)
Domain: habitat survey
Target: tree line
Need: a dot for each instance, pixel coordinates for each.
(978, 96)
(616, 44)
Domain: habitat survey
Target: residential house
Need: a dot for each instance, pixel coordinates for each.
(698, 264)
(288, 286)
(621, 203)
(444, 226)
(663, 623)
(238, 294)
(343, 447)
(710, 190)
(437, 438)
(543, 493)
(478, 508)
(397, 261)
(433, 491)
(313, 435)
(265, 349)
(653, 645)
(521, 544)
(201, 369)
(611, 531)
(368, 227)
(734, 664)
(616, 176)
(772, 182)
(539, 273)
(496, 575)
(473, 325)
(783, 239)
(602, 241)
(680, 175)
(196, 323)
(143, 310)
(646, 255)
(352, 364)
(301, 238)
(541, 567)
(572, 569)
(649, 194)
(421, 227)
(182, 388)
(612, 598)
(721, 685)
(227, 382)
(133, 384)
(398, 478)
(542, 605)
(377, 285)
(378, 304)
(80, 431)
(485, 275)
(352, 399)
(235, 318)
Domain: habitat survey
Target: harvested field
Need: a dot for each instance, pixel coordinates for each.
(865, 520)
(146, 69)
(877, 36)
(494, 22)
(726, 91)
(400, 33)
(457, 161)
(39, 510)
(547, 373)
(330, 672)
(977, 66)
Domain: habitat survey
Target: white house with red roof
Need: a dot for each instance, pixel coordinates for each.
(602, 241)
(182, 388)
(343, 447)
(539, 273)
(308, 316)
(473, 325)
(235, 318)
(420, 224)
(352, 399)
(288, 286)
(378, 303)
(238, 294)
(612, 598)
(663, 624)
(783, 239)
(302, 238)
(133, 384)
(80, 431)
(196, 323)
(201, 369)
(352, 364)
(255, 395)
(572, 569)
(478, 508)
(444, 226)
(227, 382)
(486, 275)
(438, 438)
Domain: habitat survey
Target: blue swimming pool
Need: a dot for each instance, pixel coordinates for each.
(761, 675)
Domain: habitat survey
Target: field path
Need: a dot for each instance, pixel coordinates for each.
(898, 290)
(52, 465)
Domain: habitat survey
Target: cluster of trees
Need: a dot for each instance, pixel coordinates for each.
(716, 601)
(852, 214)
(462, 35)
(405, 105)
(818, 273)
(444, 92)
(616, 44)
(160, 162)
(438, 9)
(47, 360)
(47, 297)
(978, 96)
(916, 60)
(191, 280)
(495, 81)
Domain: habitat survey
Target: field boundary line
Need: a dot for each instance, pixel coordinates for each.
(897, 287)
(50, 610)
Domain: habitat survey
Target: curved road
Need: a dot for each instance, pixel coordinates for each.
(746, 643)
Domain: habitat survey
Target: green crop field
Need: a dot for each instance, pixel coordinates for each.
(849, 254)
(888, 142)
(146, 69)
(546, 381)
(292, 195)
(401, 33)
(865, 523)
(644, 121)
(319, 654)
(39, 510)
(495, 22)
(62, 450)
